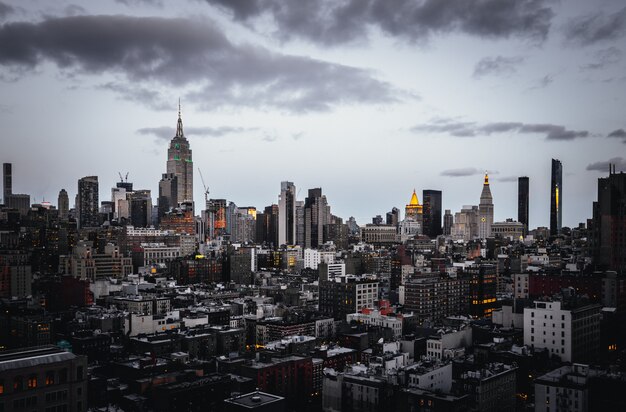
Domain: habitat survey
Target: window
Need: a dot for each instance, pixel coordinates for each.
(1, 386)
(79, 372)
(49, 378)
(32, 382)
(17, 383)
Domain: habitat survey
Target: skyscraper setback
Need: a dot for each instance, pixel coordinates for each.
(180, 164)
(556, 197)
(523, 189)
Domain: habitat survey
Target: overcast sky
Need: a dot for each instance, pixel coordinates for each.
(367, 99)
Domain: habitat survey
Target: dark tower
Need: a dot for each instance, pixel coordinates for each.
(432, 212)
(609, 223)
(8, 181)
(88, 202)
(556, 197)
(522, 201)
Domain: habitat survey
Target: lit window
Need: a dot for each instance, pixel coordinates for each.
(32, 382)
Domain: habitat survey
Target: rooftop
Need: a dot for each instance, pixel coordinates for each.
(254, 399)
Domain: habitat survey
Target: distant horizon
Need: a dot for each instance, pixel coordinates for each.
(366, 101)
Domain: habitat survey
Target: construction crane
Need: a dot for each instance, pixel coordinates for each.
(206, 189)
(123, 179)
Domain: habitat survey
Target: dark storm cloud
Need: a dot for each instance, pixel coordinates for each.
(604, 58)
(619, 133)
(471, 129)
(342, 21)
(466, 171)
(148, 51)
(619, 162)
(498, 66)
(508, 179)
(166, 133)
(597, 27)
(5, 10)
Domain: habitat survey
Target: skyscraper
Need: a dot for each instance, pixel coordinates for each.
(413, 210)
(168, 193)
(523, 188)
(8, 181)
(141, 208)
(432, 212)
(448, 222)
(485, 211)
(316, 215)
(64, 205)
(609, 223)
(88, 202)
(180, 164)
(287, 214)
(393, 217)
(556, 197)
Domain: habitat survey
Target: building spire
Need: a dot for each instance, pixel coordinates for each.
(179, 127)
(486, 178)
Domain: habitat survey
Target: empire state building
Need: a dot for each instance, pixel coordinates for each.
(180, 165)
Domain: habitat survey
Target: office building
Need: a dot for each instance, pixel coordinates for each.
(609, 229)
(141, 208)
(448, 223)
(347, 294)
(316, 215)
(180, 163)
(393, 217)
(432, 213)
(7, 178)
(523, 189)
(287, 214)
(64, 205)
(556, 197)
(10, 199)
(569, 331)
(168, 193)
(465, 225)
(88, 202)
(485, 211)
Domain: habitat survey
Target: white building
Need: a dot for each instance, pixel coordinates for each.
(572, 335)
(447, 344)
(375, 318)
(158, 253)
(136, 324)
(430, 376)
(313, 257)
(564, 389)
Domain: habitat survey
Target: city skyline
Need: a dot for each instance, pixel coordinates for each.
(367, 111)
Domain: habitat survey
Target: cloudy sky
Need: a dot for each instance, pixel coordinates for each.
(368, 99)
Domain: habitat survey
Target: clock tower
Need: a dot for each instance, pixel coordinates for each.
(485, 211)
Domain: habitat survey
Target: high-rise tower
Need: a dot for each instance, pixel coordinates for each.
(523, 187)
(485, 211)
(180, 164)
(432, 212)
(88, 202)
(413, 210)
(316, 215)
(556, 197)
(287, 214)
(8, 181)
(63, 204)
